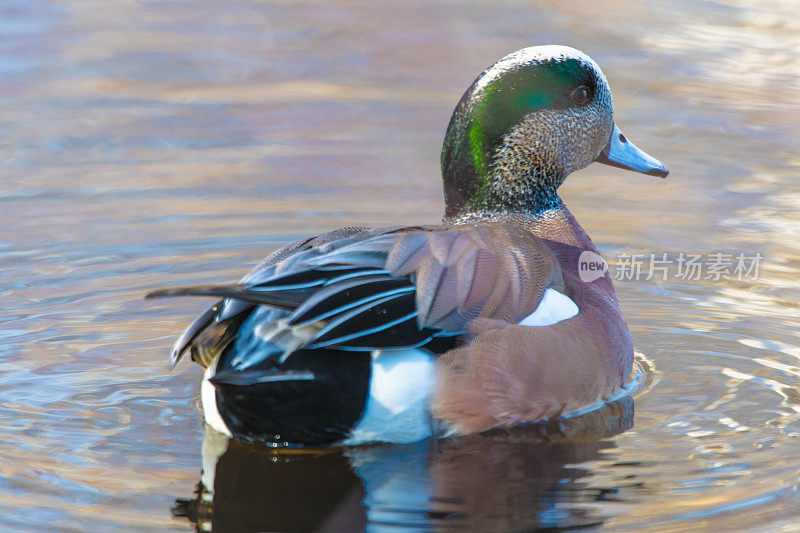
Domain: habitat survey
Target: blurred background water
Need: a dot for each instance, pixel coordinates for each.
(147, 143)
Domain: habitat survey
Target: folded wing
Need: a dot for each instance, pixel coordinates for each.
(391, 288)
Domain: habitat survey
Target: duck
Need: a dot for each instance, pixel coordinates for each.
(398, 334)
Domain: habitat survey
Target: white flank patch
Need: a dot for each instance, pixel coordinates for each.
(400, 386)
(208, 395)
(553, 308)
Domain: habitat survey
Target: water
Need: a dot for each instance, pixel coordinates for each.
(177, 142)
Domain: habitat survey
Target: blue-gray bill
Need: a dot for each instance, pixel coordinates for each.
(620, 152)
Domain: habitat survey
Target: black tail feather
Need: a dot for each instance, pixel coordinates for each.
(253, 378)
(184, 342)
(288, 300)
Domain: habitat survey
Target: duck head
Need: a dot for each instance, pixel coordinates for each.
(524, 125)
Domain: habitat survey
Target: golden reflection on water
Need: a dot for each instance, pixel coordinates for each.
(173, 143)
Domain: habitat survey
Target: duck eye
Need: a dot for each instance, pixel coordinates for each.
(580, 96)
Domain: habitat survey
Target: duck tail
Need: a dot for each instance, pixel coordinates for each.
(288, 300)
(211, 332)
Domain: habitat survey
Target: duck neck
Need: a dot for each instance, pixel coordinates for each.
(530, 192)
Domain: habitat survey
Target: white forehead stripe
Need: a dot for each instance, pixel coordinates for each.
(536, 54)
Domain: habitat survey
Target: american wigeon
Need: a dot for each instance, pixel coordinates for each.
(397, 334)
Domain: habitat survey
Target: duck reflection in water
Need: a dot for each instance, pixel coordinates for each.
(507, 480)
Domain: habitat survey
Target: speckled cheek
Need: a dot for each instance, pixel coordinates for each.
(605, 120)
(590, 128)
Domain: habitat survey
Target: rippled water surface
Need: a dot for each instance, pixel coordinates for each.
(170, 142)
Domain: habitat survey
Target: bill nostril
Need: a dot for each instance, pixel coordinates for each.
(622, 138)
